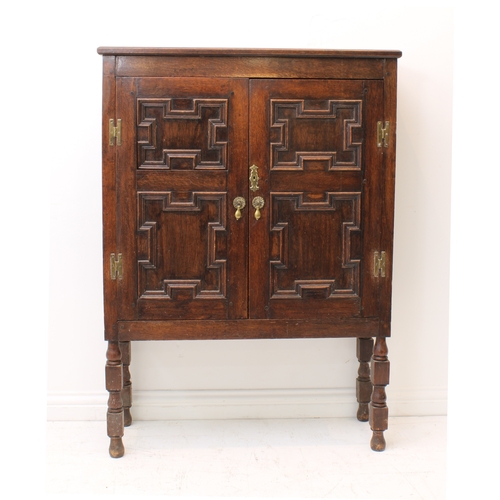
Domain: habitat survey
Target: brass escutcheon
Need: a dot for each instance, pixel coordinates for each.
(254, 178)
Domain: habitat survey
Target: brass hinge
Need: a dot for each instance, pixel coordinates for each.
(383, 129)
(379, 264)
(115, 132)
(116, 266)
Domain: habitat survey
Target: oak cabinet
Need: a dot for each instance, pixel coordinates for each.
(248, 194)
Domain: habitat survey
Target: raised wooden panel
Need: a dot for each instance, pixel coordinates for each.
(312, 254)
(309, 134)
(182, 133)
(182, 248)
(184, 152)
(318, 225)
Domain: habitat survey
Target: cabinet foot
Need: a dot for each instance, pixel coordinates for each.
(116, 448)
(377, 442)
(127, 417)
(363, 414)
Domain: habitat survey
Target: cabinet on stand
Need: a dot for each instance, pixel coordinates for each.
(248, 194)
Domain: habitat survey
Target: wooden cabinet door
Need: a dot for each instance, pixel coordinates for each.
(181, 163)
(321, 178)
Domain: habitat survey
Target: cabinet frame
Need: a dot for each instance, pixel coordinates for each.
(257, 69)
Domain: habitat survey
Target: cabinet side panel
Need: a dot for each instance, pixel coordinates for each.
(387, 217)
(108, 197)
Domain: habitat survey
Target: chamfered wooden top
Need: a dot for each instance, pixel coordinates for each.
(237, 52)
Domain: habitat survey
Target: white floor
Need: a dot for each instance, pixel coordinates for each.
(292, 458)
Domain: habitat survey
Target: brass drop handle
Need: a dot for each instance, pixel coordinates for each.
(239, 203)
(258, 203)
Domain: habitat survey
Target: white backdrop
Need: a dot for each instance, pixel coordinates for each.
(50, 126)
(280, 378)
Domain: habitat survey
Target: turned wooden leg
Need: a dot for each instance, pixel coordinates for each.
(364, 351)
(114, 384)
(379, 413)
(127, 383)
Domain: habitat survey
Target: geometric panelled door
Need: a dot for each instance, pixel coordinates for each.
(315, 175)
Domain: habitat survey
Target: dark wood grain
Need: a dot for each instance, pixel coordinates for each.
(182, 164)
(246, 52)
(313, 214)
(388, 196)
(109, 199)
(249, 67)
(247, 329)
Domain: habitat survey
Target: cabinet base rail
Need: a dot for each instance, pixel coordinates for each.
(247, 329)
